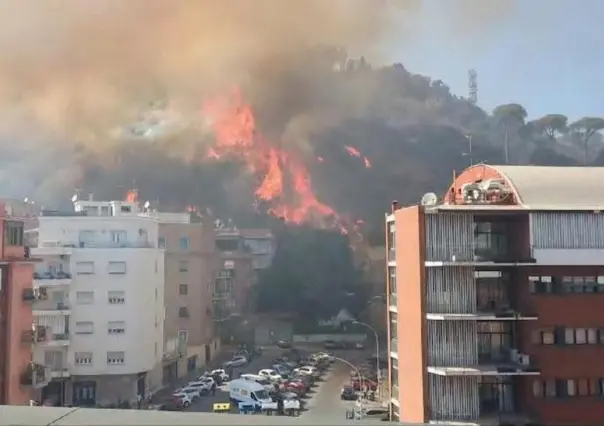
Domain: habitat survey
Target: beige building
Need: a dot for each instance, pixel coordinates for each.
(191, 264)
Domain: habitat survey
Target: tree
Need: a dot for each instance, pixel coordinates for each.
(511, 117)
(584, 129)
(551, 125)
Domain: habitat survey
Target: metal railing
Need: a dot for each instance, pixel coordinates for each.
(52, 275)
(60, 306)
(111, 244)
(447, 253)
(392, 300)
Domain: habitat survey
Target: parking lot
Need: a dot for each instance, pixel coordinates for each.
(322, 402)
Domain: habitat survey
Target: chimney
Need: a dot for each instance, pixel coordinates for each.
(394, 206)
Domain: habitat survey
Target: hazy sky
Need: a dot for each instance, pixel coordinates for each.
(547, 55)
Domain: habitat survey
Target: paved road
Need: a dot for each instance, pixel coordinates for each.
(326, 404)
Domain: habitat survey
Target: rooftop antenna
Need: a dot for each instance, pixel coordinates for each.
(473, 86)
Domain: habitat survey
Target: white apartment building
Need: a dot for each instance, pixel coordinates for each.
(100, 309)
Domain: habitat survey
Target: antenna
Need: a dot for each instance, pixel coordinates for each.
(473, 86)
(429, 199)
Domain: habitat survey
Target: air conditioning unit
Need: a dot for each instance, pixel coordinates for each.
(524, 359)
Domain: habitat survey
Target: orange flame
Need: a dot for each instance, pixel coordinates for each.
(131, 196)
(285, 183)
(353, 152)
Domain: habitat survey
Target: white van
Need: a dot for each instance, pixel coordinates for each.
(248, 391)
(259, 379)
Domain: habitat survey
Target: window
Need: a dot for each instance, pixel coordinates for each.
(183, 312)
(580, 336)
(83, 358)
(161, 243)
(118, 237)
(115, 358)
(541, 285)
(583, 336)
(59, 297)
(54, 359)
(118, 268)
(544, 337)
(569, 336)
(85, 297)
(116, 297)
(550, 388)
(84, 268)
(592, 336)
(84, 327)
(571, 387)
(105, 211)
(116, 327)
(184, 243)
(183, 266)
(183, 289)
(13, 233)
(86, 237)
(183, 336)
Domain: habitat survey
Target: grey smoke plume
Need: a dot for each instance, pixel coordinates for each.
(73, 72)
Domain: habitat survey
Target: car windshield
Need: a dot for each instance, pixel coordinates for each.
(261, 394)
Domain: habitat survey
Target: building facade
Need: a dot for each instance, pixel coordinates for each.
(190, 267)
(18, 376)
(99, 303)
(496, 296)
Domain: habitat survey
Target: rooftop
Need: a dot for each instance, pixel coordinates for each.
(60, 416)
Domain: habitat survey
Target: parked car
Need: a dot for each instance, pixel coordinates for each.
(331, 344)
(360, 384)
(238, 361)
(308, 370)
(284, 343)
(193, 392)
(203, 386)
(223, 375)
(170, 406)
(271, 375)
(184, 398)
(348, 393)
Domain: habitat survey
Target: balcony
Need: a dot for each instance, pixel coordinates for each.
(51, 308)
(59, 372)
(52, 248)
(35, 375)
(51, 279)
(114, 244)
(468, 256)
(392, 302)
(392, 254)
(394, 346)
(56, 340)
(498, 362)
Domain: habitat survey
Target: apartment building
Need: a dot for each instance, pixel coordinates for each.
(242, 253)
(99, 308)
(190, 267)
(18, 375)
(496, 299)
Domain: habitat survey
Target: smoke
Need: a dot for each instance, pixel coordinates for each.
(73, 73)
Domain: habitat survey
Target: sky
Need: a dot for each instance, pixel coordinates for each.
(547, 55)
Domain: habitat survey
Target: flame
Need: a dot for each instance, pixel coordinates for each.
(285, 184)
(352, 151)
(367, 162)
(131, 196)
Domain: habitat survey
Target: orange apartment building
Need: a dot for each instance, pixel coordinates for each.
(496, 299)
(18, 376)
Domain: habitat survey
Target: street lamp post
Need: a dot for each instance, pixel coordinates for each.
(359, 375)
(377, 351)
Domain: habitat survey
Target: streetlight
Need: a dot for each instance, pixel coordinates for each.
(377, 350)
(359, 375)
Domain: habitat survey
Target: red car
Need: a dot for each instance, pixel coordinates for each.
(294, 384)
(358, 385)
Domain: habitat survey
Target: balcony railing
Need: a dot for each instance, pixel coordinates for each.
(446, 253)
(392, 300)
(394, 345)
(34, 375)
(111, 244)
(392, 254)
(52, 275)
(60, 306)
(508, 358)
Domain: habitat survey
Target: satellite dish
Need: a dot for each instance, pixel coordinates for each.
(147, 204)
(26, 200)
(74, 198)
(429, 199)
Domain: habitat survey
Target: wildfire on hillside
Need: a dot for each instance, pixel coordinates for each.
(285, 184)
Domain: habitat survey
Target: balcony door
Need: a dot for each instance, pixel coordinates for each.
(495, 340)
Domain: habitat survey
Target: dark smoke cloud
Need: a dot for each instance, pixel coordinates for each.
(73, 72)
